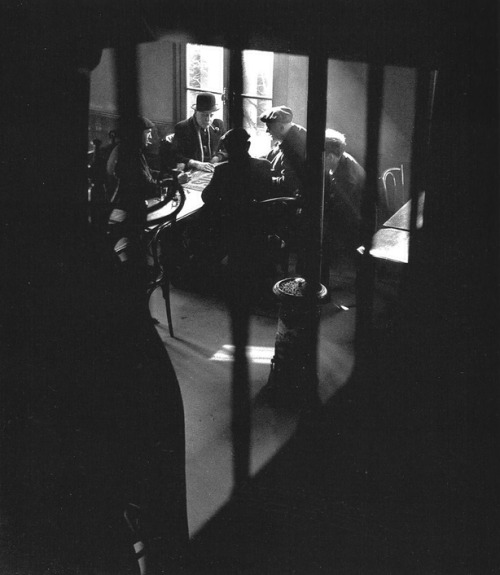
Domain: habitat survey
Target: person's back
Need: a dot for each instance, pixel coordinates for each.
(237, 185)
(233, 194)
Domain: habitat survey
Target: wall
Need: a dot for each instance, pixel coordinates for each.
(290, 85)
(156, 92)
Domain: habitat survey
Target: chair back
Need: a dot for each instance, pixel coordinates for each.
(393, 188)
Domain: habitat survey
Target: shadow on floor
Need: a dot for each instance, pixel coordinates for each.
(384, 478)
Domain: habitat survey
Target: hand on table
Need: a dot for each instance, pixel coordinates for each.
(183, 178)
(202, 166)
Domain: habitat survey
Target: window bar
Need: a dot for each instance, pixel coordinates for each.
(316, 123)
(424, 104)
(125, 61)
(255, 97)
(236, 83)
(240, 391)
(365, 281)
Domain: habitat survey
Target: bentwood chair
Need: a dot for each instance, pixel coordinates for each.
(161, 244)
(393, 188)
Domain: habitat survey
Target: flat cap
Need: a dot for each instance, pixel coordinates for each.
(278, 114)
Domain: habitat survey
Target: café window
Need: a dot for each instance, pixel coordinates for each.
(206, 71)
(257, 96)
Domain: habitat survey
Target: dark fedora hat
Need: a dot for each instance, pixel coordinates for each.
(205, 102)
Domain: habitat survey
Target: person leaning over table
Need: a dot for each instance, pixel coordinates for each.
(288, 164)
(288, 170)
(344, 184)
(197, 139)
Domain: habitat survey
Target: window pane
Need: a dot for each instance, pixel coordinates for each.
(205, 73)
(260, 140)
(258, 73)
(205, 67)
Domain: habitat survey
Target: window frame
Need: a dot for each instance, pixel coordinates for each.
(226, 90)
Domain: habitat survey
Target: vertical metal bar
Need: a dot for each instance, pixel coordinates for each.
(125, 60)
(316, 122)
(424, 104)
(314, 192)
(240, 396)
(365, 283)
(236, 87)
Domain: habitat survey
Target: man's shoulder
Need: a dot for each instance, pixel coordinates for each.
(183, 124)
(296, 137)
(298, 131)
(262, 163)
(353, 164)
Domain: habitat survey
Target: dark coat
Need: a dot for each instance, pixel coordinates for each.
(238, 183)
(235, 188)
(187, 145)
(135, 183)
(128, 168)
(289, 165)
(233, 195)
(344, 189)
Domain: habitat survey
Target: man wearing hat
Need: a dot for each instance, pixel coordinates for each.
(197, 140)
(134, 183)
(289, 164)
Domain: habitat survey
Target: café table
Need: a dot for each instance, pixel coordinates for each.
(192, 190)
(401, 219)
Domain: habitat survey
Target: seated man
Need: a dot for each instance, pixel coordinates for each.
(197, 140)
(344, 184)
(134, 184)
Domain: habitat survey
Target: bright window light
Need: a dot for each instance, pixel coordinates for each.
(255, 354)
